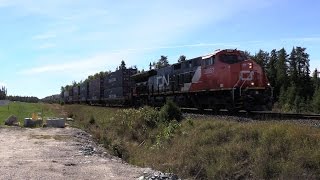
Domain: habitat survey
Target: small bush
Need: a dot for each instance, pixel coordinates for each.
(170, 111)
(70, 115)
(92, 120)
(150, 116)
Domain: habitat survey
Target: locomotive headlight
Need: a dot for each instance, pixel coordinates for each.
(268, 84)
(252, 83)
(250, 65)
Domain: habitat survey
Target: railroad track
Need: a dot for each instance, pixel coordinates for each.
(257, 115)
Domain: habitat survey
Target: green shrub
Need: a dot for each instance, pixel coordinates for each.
(150, 116)
(92, 120)
(170, 111)
(70, 115)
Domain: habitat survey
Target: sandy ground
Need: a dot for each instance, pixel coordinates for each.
(48, 153)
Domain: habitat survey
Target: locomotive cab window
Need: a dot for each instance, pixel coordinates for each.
(231, 58)
(208, 61)
(188, 64)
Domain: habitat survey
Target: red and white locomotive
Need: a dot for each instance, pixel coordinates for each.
(226, 79)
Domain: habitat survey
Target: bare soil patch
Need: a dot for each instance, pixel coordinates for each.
(69, 153)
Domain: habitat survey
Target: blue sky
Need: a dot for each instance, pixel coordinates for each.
(47, 44)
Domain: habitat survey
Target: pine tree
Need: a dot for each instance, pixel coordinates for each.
(316, 101)
(162, 62)
(3, 93)
(271, 68)
(262, 58)
(290, 97)
(248, 55)
(281, 66)
(315, 79)
(282, 96)
(303, 67)
(122, 65)
(293, 68)
(62, 89)
(182, 58)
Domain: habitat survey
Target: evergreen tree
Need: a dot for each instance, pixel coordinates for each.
(271, 68)
(162, 62)
(3, 93)
(62, 89)
(293, 67)
(182, 58)
(102, 74)
(262, 58)
(281, 69)
(316, 101)
(290, 98)
(122, 65)
(248, 55)
(315, 79)
(303, 67)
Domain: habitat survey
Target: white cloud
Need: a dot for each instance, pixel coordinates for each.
(47, 46)
(78, 66)
(303, 39)
(44, 36)
(4, 3)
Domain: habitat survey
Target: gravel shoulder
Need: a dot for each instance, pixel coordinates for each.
(49, 153)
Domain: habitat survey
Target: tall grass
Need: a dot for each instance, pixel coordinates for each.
(204, 148)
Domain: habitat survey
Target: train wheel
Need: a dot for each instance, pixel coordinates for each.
(215, 110)
(233, 111)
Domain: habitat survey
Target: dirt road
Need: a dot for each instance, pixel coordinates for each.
(49, 153)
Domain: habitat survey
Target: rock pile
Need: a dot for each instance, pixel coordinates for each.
(159, 176)
(87, 150)
(12, 121)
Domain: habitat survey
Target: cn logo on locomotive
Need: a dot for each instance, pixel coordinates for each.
(162, 80)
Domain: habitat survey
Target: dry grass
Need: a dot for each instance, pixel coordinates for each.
(205, 149)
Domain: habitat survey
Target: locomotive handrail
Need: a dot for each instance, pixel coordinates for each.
(241, 78)
(249, 78)
(234, 89)
(241, 86)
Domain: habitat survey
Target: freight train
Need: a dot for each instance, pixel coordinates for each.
(225, 79)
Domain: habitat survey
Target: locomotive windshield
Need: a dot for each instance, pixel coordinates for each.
(231, 58)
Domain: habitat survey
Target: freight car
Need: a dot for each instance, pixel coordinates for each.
(96, 90)
(84, 92)
(225, 79)
(76, 94)
(118, 87)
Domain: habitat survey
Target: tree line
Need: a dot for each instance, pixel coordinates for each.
(295, 90)
(28, 99)
(3, 93)
(3, 96)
